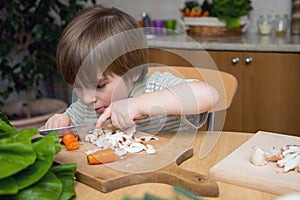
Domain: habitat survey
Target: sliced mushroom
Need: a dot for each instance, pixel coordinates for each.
(273, 154)
(258, 156)
(292, 163)
(121, 142)
(286, 159)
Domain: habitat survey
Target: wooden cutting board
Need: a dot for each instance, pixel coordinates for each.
(108, 177)
(237, 169)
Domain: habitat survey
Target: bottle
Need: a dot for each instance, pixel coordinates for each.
(147, 22)
(295, 17)
(265, 25)
(146, 19)
(281, 24)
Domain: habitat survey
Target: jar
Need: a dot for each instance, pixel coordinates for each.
(265, 25)
(281, 24)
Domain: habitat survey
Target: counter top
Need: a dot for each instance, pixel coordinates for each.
(244, 42)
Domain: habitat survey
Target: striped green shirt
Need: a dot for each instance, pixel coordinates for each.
(81, 113)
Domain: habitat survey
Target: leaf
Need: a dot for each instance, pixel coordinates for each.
(66, 173)
(6, 129)
(15, 157)
(5, 119)
(45, 151)
(48, 188)
(25, 135)
(8, 186)
(56, 141)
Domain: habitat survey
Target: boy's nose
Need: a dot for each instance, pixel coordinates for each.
(89, 97)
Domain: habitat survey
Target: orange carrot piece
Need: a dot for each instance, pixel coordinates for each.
(70, 141)
(102, 156)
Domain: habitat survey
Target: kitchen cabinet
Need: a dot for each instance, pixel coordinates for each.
(268, 96)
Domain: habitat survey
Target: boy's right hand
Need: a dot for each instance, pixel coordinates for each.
(58, 120)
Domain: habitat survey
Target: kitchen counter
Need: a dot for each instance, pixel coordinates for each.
(231, 43)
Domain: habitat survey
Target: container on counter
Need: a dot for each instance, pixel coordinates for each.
(147, 23)
(170, 25)
(281, 24)
(265, 25)
(159, 26)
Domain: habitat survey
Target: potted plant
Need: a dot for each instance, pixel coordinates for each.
(29, 34)
(218, 18)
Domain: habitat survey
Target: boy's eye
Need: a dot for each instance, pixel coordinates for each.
(100, 86)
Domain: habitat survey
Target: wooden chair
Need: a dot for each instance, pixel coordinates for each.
(225, 83)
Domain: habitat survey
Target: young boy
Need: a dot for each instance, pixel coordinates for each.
(103, 53)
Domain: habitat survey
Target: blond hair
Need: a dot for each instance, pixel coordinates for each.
(89, 28)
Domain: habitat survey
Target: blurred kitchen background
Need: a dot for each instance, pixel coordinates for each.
(170, 9)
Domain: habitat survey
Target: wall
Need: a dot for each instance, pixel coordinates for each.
(167, 9)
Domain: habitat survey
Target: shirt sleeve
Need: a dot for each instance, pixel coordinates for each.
(162, 80)
(81, 113)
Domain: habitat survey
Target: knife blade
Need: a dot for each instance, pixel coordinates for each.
(80, 128)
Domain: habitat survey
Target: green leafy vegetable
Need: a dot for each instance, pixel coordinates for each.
(8, 186)
(66, 174)
(5, 128)
(26, 170)
(15, 157)
(48, 188)
(45, 151)
(230, 10)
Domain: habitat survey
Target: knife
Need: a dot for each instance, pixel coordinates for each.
(80, 128)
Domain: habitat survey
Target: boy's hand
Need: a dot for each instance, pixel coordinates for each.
(58, 120)
(121, 113)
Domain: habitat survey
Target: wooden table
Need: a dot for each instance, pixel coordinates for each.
(228, 142)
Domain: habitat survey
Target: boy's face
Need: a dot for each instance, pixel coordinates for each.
(109, 89)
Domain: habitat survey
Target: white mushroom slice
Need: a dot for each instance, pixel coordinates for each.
(288, 151)
(292, 164)
(135, 147)
(294, 147)
(101, 142)
(90, 138)
(258, 156)
(120, 142)
(120, 152)
(287, 158)
(273, 154)
(146, 138)
(150, 149)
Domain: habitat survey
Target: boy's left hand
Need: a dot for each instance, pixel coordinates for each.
(121, 113)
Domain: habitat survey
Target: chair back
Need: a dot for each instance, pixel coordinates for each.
(225, 83)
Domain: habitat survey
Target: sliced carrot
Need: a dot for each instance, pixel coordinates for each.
(70, 141)
(102, 156)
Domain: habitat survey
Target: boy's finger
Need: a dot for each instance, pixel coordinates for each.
(103, 117)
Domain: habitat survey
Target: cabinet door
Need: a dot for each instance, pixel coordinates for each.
(231, 62)
(268, 95)
(271, 92)
(211, 59)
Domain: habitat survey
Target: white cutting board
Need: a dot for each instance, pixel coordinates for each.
(237, 169)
